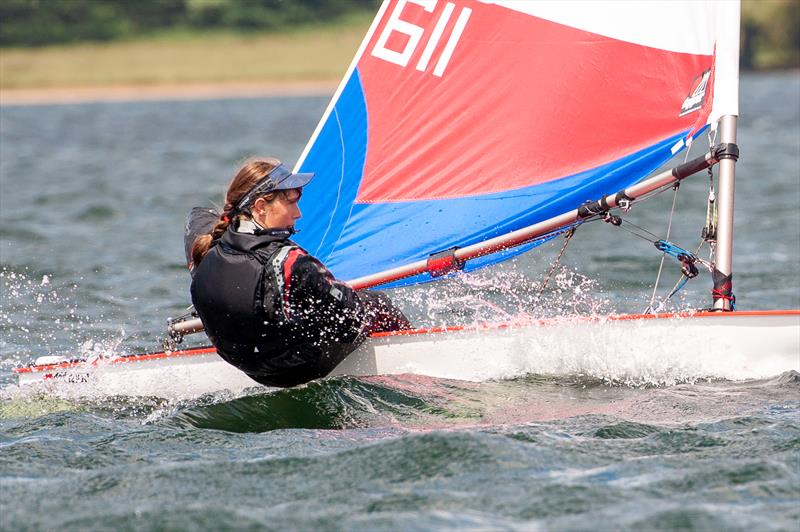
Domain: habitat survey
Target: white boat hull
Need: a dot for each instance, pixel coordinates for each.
(661, 349)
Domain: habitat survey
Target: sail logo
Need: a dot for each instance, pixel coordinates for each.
(414, 35)
(697, 94)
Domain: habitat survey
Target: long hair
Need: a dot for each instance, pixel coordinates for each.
(244, 180)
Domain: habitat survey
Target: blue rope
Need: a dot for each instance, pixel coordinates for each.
(678, 288)
(674, 251)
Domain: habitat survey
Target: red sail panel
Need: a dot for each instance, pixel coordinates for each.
(535, 99)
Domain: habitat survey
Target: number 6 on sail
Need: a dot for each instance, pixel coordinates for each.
(415, 33)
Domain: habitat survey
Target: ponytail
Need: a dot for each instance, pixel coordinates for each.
(203, 243)
(244, 180)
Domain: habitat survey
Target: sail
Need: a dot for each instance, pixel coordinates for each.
(462, 120)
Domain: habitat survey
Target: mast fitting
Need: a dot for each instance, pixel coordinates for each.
(727, 150)
(604, 204)
(444, 262)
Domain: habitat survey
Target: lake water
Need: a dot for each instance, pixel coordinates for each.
(92, 202)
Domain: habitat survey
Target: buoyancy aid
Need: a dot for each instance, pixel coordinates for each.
(277, 313)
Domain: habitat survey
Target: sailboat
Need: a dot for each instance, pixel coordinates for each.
(467, 132)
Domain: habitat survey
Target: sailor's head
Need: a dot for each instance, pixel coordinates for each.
(267, 192)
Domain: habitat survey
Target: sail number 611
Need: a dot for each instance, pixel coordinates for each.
(414, 33)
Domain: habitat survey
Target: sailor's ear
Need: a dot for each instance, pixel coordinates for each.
(260, 206)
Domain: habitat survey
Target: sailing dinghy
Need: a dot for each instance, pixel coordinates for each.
(466, 132)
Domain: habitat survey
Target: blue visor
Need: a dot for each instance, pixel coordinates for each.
(279, 178)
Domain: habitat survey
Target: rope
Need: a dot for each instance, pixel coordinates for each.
(718, 294)
(687, 259)
(678, 286)
(651, 237)
(709, 233)
(555, 262)
(663, 255)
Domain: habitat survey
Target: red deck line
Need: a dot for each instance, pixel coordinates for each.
(434, 330)
(120, 360)
(584, 319)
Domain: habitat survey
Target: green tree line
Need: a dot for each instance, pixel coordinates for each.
(43, 22)
(770, 34)
(770, 28)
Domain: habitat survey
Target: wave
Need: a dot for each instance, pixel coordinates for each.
(336, 403)
(558, 474)
(411, 402)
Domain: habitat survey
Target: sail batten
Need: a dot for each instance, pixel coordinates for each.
(462, 120)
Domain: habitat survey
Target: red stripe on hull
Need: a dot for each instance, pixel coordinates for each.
(120, 360)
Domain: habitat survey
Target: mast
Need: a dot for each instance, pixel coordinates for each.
(726, 111)
(723, 273)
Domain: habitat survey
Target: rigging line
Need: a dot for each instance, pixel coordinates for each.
(710, 252)
(688, 145)
(664, 255)
(712, 136)
(654, 236)
(675, 289)
(652, 194)
(569, 234)
(707, 263)
(634, 233)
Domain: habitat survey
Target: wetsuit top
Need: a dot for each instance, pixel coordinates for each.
(277, 313)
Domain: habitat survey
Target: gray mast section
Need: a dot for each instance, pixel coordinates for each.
(727, 179)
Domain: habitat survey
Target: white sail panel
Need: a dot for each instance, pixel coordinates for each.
(686, 26)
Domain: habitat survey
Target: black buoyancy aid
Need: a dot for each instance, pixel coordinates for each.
(229, 289)
(277, 313)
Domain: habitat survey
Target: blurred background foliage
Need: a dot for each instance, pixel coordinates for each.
(42, 22)
(770, 28)
(770, 34)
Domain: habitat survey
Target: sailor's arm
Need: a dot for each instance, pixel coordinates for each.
(326, 300)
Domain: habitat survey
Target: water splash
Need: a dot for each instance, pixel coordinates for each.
(502, 293)
(40, 316)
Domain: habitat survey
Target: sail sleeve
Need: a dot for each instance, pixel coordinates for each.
(726, 80)
(462, 120)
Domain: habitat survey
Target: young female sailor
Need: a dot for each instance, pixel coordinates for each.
(270, 308)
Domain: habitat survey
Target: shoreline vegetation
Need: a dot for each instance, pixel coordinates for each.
(161, 92)
(309, 59)
(181, 65)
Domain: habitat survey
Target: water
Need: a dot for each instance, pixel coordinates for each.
(92, 200)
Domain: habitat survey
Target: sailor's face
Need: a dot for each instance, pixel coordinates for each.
(282, 212)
